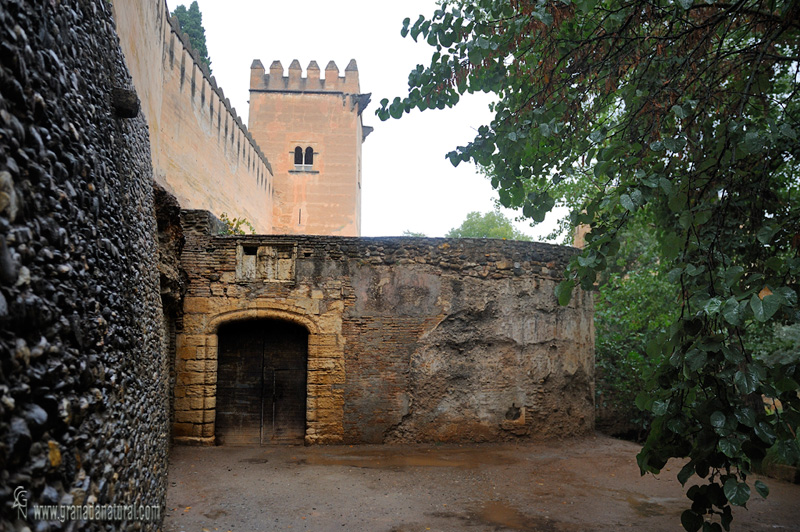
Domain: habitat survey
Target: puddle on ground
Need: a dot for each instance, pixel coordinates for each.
(213, 514)
(645, 506)
(498, 514)
(394, 459)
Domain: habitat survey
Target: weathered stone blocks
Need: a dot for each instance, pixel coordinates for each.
(400, 347)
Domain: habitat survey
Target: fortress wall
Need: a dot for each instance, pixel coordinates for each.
(409, 339)
(202, 152)
(140, 26)
(83, 379)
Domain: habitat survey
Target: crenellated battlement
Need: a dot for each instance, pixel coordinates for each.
(202, 151)
(175, 28)
(275, 81)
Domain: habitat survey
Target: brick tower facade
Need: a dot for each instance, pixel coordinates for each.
(310, 129)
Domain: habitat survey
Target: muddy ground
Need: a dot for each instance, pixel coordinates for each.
(591, 484)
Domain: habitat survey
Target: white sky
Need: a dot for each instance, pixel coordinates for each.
(407, 184)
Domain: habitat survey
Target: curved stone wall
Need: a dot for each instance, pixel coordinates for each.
(410, 339)
(83, 374)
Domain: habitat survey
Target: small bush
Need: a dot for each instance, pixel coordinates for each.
(235, 226)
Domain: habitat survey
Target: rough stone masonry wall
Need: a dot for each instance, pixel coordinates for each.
(410, 339)
(202, 152)
(83, 395)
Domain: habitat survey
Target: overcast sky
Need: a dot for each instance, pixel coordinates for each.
(407, 182)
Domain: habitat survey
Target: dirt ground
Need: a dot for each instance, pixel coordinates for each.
(591, 484)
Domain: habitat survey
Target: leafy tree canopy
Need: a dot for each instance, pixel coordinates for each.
(493, 224)
(685, 110)
(191, 22)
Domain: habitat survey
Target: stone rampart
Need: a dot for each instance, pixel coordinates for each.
(409, 339)
(295, 82)
(203, 153)
(83, 369)
(316, 191)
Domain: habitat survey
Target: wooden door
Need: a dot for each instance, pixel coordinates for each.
(261, 383)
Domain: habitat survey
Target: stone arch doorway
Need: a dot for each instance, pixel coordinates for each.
(262, 369)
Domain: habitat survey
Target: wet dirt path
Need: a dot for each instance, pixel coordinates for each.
(577, 485)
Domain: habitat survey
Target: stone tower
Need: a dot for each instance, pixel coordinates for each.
(310, 130)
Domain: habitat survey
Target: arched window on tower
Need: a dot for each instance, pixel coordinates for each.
(303, 160)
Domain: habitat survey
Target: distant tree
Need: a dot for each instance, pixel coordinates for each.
(408, 232)
(634, 306)
(191, 22)
(493, 224)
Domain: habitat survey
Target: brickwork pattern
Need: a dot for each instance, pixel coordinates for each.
(323, 198)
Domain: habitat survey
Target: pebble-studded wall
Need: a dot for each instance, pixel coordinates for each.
(83, 372)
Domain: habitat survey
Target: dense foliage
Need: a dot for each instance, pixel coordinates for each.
(191, 22)
(686, 109)
(492, 224)
(635, 303)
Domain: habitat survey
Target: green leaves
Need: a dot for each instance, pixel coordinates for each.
(685, 473)
(492, 224)
(691, 521)
(730, 447)
(787, 451)
(632, 201)
(746, 381)
(717, 419)
(564, 292)
(762, 489)
(713, 306)
(766, 233)
(695, 359)
(191, 23)
(745, 416)
(658, 133)
(396, 109)
(734, 311)
(764, 309)
(738, 493)
(764, 431)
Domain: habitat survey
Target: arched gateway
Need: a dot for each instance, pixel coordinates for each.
(261, 382)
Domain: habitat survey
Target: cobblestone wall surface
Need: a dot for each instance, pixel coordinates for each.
(83, 374)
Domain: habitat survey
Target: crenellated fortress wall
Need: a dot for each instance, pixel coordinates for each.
(202, 152)
(295, 82)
